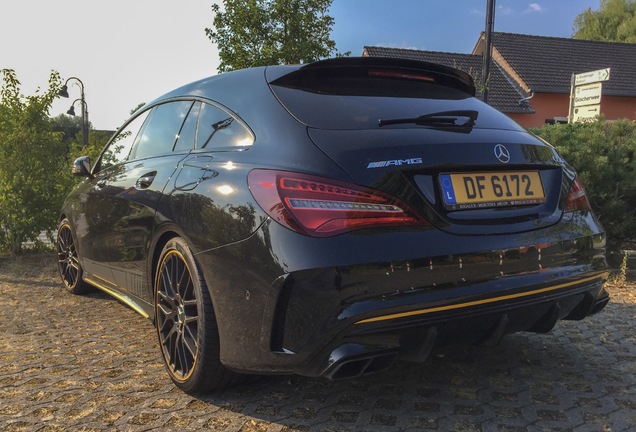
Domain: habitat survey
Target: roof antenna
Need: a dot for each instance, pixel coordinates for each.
(485, 72)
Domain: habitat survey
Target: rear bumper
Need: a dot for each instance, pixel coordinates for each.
(295, 310)
(371, 345)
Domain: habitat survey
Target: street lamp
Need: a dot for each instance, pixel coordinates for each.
(71, 110)
(64, 93)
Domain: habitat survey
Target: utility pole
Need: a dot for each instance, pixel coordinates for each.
(485, 71)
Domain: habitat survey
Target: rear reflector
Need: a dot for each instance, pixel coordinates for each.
(321, 207)
(577, 199)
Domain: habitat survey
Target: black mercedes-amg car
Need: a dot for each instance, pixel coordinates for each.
(327, 219)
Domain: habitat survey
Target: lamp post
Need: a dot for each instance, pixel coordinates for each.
(71, 111)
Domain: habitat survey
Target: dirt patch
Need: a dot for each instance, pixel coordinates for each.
(33, 267)
(622, 288)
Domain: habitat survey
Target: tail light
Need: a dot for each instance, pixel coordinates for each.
(577, 199)
(321, 207)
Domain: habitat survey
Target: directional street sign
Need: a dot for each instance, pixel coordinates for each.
(585, 95)
(592, 77)
(586, 113)
(589, 94)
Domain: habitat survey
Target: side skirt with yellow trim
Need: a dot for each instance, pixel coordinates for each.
(119, 296)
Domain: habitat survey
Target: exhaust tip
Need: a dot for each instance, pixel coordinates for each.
(599, 305)
(354, 360)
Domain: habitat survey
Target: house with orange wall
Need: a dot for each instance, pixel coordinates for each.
(530, 77)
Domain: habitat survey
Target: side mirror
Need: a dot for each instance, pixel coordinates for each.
(82, 167)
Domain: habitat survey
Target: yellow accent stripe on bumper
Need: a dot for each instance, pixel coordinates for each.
(480, 302)
(121, 297)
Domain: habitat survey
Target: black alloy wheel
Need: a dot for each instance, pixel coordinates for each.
(186, 324)
(68, 260)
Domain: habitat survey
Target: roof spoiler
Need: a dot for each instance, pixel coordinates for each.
(453, 77)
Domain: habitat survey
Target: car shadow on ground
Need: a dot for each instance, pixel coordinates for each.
(574, 375)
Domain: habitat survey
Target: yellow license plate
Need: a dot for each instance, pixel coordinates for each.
(463, 191)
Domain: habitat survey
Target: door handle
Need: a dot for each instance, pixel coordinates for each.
(145, 181)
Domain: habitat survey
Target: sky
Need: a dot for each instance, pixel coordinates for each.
(126, 52)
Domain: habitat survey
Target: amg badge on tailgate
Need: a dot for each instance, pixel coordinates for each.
(396, 162)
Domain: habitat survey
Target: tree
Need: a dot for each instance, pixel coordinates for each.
(252, 33)
(615, 21)
(32, 158)
(71, 129)
(97, 139)
(69, 126)
(135, 109)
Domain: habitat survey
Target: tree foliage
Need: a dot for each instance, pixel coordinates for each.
(604, 156)
(70, 128)
(32, 156)
(615, 21)
(252, 33)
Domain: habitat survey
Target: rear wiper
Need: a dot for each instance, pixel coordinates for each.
(443, 119)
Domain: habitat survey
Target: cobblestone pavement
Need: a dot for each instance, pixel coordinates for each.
(90, 363)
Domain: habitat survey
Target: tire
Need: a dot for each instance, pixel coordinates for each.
(68, 263)
(186, 323)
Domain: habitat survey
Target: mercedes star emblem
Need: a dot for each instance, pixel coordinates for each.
(502, 153)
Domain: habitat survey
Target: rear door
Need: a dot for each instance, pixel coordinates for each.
(164, 141)
(130, 177)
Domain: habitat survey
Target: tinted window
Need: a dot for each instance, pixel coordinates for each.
(358, 97)
(219, 129)
(189, 130)
(119, 148)
(162, 131)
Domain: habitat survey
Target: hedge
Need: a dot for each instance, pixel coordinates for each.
(603, 153)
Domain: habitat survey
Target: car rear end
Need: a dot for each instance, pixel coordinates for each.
(450, 223)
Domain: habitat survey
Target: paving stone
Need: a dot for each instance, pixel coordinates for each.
(89, 363)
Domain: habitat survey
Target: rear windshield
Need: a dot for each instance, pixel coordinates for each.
(358, 97)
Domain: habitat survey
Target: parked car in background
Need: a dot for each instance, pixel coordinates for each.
(326, 219)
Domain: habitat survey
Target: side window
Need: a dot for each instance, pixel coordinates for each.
(219, 129)
(119, 148)
(161, 133)
(185, 141)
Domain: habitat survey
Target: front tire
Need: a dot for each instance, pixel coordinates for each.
(186, 323)
(68, 260)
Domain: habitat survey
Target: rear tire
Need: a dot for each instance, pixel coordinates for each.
(186, 323)
(68, 260)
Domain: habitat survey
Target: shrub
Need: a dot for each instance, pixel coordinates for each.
(36, 153)
(31, 159)
(604, 156)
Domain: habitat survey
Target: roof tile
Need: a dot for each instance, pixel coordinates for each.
(503, 93)
(546, 64)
